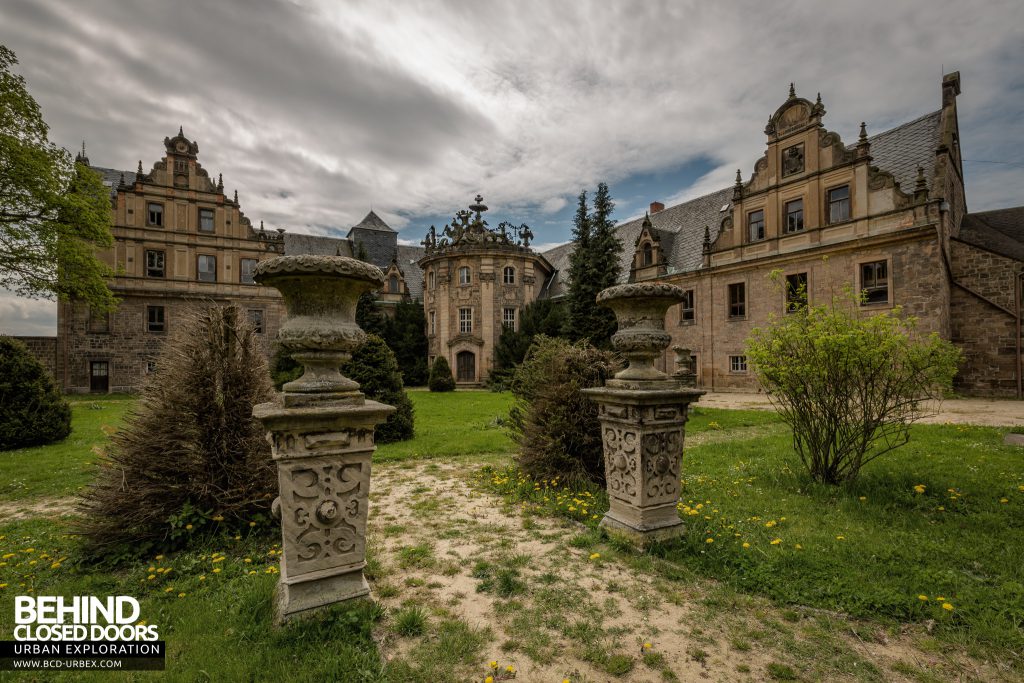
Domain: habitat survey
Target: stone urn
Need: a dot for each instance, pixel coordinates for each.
(321, 431)
(320, 294)
(640, 311)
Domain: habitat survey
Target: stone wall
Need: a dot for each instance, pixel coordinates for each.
(44, 349)
(984, 322)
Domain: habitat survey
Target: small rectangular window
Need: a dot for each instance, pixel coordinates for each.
(245, 269)
(796, 292)
(430, 280)
(755, 225)
(509, 276)
(98, 323)
(433, 321)
(464, 275)
(874, 282)
(155, 319)
(207, 268)
(738, 300)
(150, 367)
(206, 220)
(795, 215)
(155, 261)
(839, 204)
(465, 320)
(508, 318)
(156, 214)
(686, 313)
(256, 319)
(737, 363)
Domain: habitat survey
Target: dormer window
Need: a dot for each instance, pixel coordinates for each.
(755, 225)
(393, 285)
(509, 275)
(647, 259)
(464, 275)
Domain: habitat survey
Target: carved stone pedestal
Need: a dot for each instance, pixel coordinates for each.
(321, 432)
(643, 417)
(643, 432)
(323, 472)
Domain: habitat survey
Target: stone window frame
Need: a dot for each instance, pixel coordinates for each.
(156, 319)
(465, 276)
(432, 321)
(692, 318)
(466, 320)
(847, 185)
(242, 272)
(199, 272)
(163, 263)
(150, 367)
(786, 214)
(394, 284)
(787, 301)
(161, 212)
(508, 275)
(431, 280)
(738, 364)
(96, 322)
(731, 305)
(257, 317)
(763, 233)
(213, 220)
(505, 317)
(646, 255)
(859, 279)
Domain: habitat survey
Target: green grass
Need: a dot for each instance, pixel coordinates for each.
(64, 467)
(744, 484)
(453, 424)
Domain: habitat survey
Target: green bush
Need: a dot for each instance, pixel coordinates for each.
(552, 422)
(849, 384)
(441, 376)
(283, 368)
(32, 410)
(373, 365)
(191, 460)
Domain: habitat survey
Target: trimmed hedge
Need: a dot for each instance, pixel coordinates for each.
(441, 376)
(32, 410)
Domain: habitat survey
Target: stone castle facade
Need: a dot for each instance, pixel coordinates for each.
(885, 214)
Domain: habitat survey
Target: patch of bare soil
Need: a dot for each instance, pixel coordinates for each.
(435, 536)
(36, 507)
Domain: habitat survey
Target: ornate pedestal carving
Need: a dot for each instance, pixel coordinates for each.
(321, 432)
(643, 417)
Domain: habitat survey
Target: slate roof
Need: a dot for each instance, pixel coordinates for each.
(373, 222)
(408, 257)
(898, 151)
(111, 177)
(317, 245)
(1001, 231)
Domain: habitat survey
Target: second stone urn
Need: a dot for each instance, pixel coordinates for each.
(321, 429)
(643, 415)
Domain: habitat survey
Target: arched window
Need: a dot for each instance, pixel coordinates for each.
(648, 258)
(509, 276)
(393, 285)
(464, 275)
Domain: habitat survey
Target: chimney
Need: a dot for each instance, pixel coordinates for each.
(656, 207)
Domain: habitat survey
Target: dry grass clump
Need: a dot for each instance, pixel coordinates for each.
(190, 460)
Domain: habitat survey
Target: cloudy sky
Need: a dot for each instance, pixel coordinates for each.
(316, 111)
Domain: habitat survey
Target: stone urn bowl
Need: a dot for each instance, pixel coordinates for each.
(320, 294)
(640, 311)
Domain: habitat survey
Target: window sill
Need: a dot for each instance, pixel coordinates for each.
(737, 318)
(687, 323)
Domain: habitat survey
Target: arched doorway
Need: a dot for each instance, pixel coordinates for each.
(465, 363)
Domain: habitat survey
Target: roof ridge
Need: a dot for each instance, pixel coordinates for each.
(905, 124)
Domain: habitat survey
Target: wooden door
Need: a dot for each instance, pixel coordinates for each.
(466, 364)
(99, 376)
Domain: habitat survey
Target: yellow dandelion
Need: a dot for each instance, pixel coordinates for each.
(181, 595)
(218, 559)
(248, 560)
(252, 524)
(9, 556)
(920, 488)
(776, 541)
(30, 550)
(238, 538)
(648, 646)
(168, 589)
(939, 598)
(219, 518)
(188, 527)
(150, 577)
(202, 577)
(489, 679)
(1004, 500)
(840, 538)
(493, 663)
(948, 607)
(511, 669)
(595, 556)
(252, 572)
(922, 597)
(862, 498)
(798, 546)
(709, 540)
(55, 565)
(216, 570)
(152, 569)
(159, 557)
(746, 545)
(3, 585)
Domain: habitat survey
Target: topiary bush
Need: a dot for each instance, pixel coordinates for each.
(373, 365)
(553, 423)
(190, 461)
(32, 410)
(441, 376)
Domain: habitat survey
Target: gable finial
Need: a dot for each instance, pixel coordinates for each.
(138, 171)
(236, 196)
(792, 90)
(181, 131)
(707, 239)
(739, 178)
(863, 133)
(220, 182)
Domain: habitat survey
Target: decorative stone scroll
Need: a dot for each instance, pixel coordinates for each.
(321, 433)
(643, 417)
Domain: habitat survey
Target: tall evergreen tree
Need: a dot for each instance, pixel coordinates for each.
(581, 296)
(594, 265)
(543, 316)
(406, 335)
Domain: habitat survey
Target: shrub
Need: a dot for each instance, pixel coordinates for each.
(441, 376)
(373, 365)
(552, 422)
(191, 460)
(283, 368)
(848, 384)
(32, 410)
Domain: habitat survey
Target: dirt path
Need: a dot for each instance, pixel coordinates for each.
(976, 411)
(36, 507)
(555, 612)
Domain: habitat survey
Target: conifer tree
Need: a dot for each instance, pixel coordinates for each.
(373, 365)
(594, 265)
